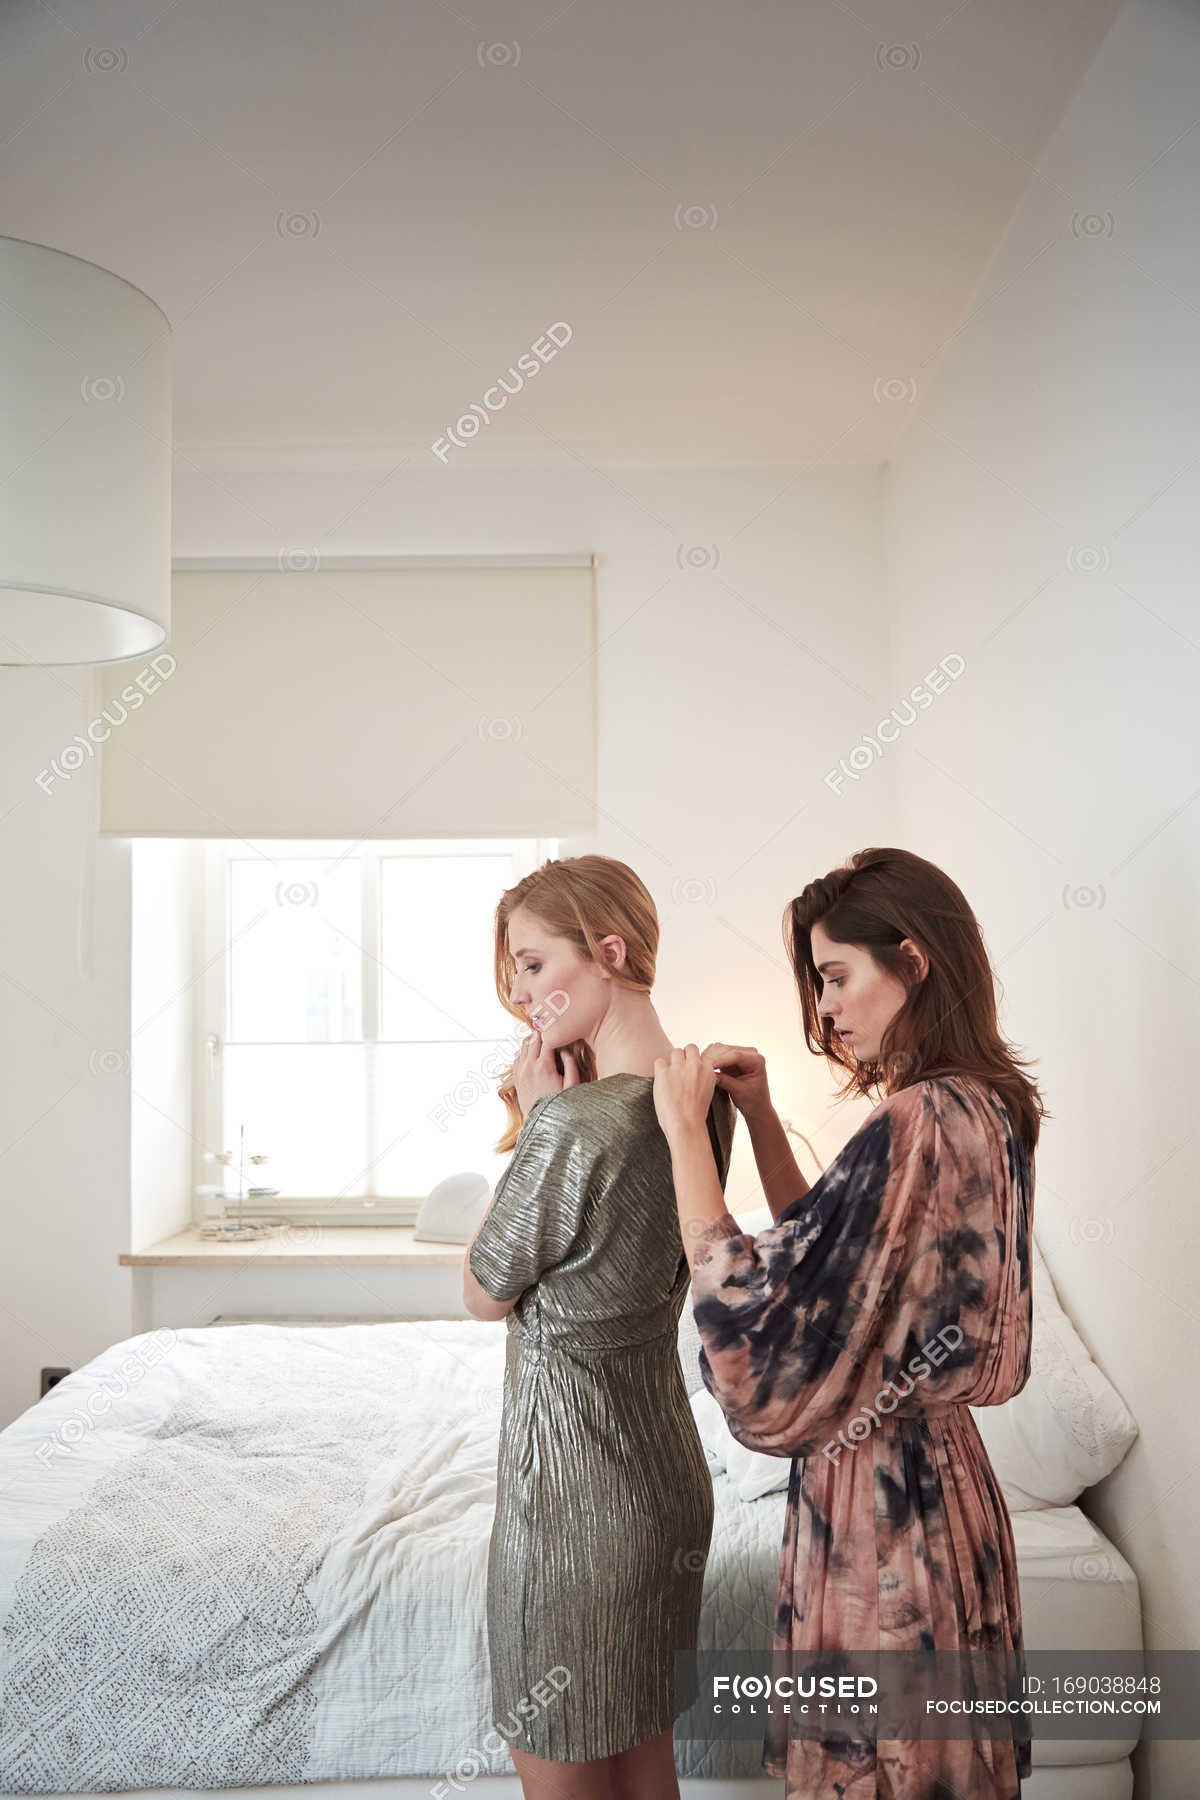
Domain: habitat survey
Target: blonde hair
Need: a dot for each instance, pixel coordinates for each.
(583, 899)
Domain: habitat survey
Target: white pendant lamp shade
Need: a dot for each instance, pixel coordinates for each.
(85, 462)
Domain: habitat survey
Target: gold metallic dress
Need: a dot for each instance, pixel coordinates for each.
(604, 1506)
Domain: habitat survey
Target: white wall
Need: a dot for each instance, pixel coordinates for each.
(64, 1053)
(1041, 521)
(724, 694)
(165, 999)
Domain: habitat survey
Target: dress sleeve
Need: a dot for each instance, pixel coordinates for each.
(536, 1207)
(880, 1290)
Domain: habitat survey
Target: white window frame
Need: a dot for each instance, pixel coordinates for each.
(215, 1011)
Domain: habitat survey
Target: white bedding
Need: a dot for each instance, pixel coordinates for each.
(259, 1553)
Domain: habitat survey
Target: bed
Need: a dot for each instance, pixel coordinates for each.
(256, 1557)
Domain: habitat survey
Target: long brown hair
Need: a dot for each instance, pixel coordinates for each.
(947, 1025)
(584, 899)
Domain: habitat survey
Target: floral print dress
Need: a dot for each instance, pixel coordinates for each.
(815, 1333)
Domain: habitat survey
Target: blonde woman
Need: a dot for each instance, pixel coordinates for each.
(855, 1334)
(604, 1506)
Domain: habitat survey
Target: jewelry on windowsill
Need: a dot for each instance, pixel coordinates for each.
(230, 1231)
(237, 1228)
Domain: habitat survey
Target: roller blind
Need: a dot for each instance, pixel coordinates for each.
(420, 697)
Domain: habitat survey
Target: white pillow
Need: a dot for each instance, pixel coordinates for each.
(751, 1472)
(714, 1433)
(1068, 1427)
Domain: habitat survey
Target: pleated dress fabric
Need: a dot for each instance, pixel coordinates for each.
(854, 1335)
(604, 1506)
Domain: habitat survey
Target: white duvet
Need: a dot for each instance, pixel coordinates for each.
(259, 1554)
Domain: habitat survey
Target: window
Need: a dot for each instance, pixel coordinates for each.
(351, 1022)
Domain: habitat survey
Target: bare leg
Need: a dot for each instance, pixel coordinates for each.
(647, 1772)
(542, 1779)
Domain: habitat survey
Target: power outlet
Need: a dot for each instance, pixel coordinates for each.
(51, 1378)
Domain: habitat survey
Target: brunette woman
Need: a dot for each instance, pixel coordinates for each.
(855, 1333)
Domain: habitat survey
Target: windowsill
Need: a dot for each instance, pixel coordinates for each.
(334, 1244)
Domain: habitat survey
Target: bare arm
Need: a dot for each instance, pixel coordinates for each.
(742, 1072)
(479, 1304)
(698, 1194)
(683, 1085)
(778, 1170)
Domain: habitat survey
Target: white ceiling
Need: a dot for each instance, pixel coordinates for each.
(357, 216)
